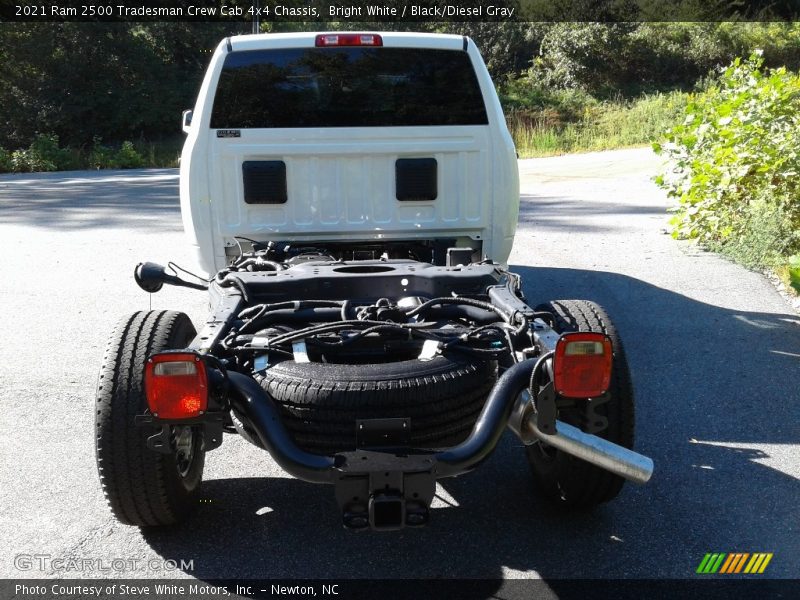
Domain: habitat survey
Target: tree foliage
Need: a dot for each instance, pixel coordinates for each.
(114, 80)
(628, 59)
(734, 164)
(129, 81)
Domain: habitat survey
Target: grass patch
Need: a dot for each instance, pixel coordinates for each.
(162, 154)
(141, 154)
(790, 278)
(605, 125)
(46, 154)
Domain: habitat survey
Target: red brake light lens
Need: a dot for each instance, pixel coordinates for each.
(176, 385)
(582, 364)
(325, 40)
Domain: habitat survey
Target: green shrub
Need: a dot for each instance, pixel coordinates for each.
(28, 161)
(100, 156)
(595, 126)
(734, 164)
(104, 157)
(793, 272)
(44, 154)
(47, 148)
(164, 153)
(127, 157)
(766, 235)
(529, 94)
(5, 160)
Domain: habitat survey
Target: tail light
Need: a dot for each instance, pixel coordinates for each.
(176, 385)
(325, 40)
(582, 365)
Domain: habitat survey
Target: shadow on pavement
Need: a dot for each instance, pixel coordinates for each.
(92, 199)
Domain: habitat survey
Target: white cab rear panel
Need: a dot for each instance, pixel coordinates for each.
(340, 181)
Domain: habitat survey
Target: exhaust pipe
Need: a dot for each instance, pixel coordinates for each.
(508, 405)
(607, 455)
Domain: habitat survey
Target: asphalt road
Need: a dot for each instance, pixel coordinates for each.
(714, 353)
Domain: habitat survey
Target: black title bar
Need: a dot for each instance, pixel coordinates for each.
(402, 589)
(400, 11)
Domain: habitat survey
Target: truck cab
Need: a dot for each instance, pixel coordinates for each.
(390, 143)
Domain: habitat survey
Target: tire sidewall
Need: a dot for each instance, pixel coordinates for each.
(142, 486)
(561, 477)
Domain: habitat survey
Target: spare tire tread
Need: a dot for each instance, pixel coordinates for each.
(320, 403)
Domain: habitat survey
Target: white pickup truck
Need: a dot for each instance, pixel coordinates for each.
(352, 198)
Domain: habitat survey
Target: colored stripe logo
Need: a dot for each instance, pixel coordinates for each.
(734, 562)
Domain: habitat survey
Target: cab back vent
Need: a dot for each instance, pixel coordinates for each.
(264, 181)
(416, 178)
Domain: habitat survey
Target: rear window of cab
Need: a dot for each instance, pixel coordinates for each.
(347, 87)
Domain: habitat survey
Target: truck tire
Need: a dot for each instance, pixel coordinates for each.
(320, 402)
(560, 477)
(143, 487)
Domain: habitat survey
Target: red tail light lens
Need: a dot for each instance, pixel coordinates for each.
(176, 385)
(325, 40)
(582, 365)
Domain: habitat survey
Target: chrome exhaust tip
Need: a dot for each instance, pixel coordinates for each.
(607, 455)
(600, 452)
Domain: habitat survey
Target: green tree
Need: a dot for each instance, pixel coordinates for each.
(113, 80)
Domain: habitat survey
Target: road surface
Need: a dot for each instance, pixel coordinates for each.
(714, 353)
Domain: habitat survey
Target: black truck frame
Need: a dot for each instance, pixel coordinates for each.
(310, 306)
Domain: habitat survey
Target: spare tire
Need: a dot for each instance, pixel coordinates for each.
(321, 402)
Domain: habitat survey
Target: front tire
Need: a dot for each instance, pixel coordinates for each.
(563, 479)
(143, 487)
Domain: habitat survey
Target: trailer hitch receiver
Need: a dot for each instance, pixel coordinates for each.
(384, 490)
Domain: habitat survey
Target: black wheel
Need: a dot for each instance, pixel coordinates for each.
(564, 479)
(143, 487)
(320, 402)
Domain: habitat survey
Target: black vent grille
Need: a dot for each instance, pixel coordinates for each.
(264, 181)
(416, 178)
